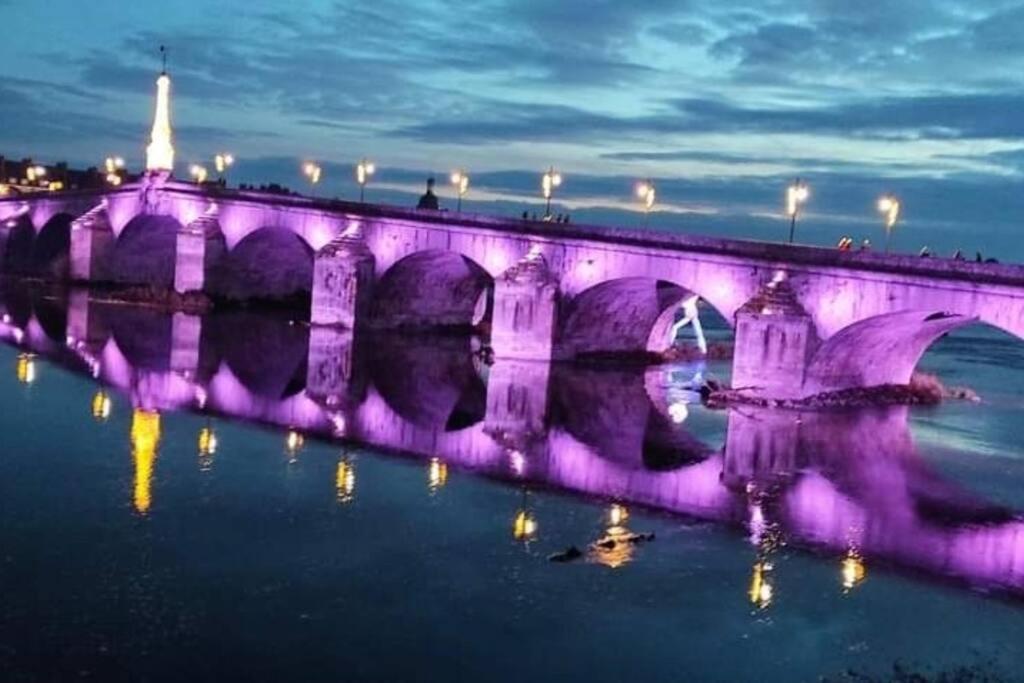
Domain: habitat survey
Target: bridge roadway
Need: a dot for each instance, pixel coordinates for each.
(807, 320)
(600, 433)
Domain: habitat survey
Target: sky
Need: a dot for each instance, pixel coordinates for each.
(722, 104)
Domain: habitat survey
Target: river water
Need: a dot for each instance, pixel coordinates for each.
(210, 499)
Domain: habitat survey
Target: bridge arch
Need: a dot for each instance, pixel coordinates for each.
(144, 252)
(882, 349)
(629, 315)
(17, 249)
(50, 252)
(433, 288)
(270, 263)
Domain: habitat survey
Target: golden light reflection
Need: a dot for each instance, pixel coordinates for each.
(524, 528)
(345, 480)
(761, 592)
(26, 368)
(207, 447)
(145, 437)
(437, 475)
(853, 570)
(101, 406)
(293, 444)
(616, 547)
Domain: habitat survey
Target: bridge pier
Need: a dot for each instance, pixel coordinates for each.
(525, 316)
(186, 336)
(333, 375)
(517, 400)
(199, 248)
(775, 340)
(342, 281)
(92, 245)
(85, 321)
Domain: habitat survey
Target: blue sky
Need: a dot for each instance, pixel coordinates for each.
(720, 102)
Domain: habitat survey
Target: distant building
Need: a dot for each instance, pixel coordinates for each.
(26, 175)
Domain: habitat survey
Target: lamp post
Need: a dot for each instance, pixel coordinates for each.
(646, 193)
(222, 162)
(199, 173)
(889, 207)
(796, 194)
(549, 181)
(312, 171)
(364, 169)
(461, 182)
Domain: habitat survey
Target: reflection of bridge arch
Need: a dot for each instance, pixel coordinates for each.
(52, 246)
(431, 385)
(144, 252)
(433, 288)
(611, 412)
(268, 263)
(269, 360)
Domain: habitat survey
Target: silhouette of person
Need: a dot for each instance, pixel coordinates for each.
(429, 199)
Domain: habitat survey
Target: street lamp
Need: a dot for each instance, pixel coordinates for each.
(222, 162)
(114, 166)
(889, 207)
(645, 192)
(549, 181)
(199, 173)
(796, 194)
(35, 173)
(312, 171)
(461, 182)
(364, 169)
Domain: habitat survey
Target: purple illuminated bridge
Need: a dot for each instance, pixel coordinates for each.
(807, 320)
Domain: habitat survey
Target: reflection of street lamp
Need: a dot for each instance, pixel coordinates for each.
(548, 182)
(101, 406)
(461, 182)
(207, 447)
(761, 591)
(437, 475)
(345, 480)
(364, 169)
(645, 192)
(889, 207)
(293, 443)
(796, 194)
(853, 570)
(199, 173)
(26, 368)
(524, 527)
(222, 162)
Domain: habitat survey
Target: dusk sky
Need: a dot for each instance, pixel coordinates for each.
(722, 103)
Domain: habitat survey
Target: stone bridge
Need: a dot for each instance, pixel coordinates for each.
(806, 320)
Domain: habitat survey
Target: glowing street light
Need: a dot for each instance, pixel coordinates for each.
(796, 194)
(114, 166)
(222, 162)
(645, 192)
(364, 169)
(199, 173)
(889, 207)
(461, 182)
(35, 173)
(548, 182)
(312, 171)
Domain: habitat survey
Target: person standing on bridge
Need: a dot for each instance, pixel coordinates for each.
(429, 199)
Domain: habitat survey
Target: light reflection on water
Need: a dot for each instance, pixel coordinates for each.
(851, 488)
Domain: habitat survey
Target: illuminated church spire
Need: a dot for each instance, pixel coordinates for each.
(160, 152)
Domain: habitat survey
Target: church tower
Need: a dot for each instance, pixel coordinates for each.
(160, 152)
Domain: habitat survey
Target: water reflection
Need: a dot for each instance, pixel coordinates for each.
(849, 484)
